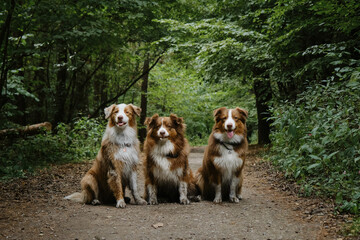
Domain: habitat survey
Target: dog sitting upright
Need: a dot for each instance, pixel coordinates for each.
(115, 165)
(167, 172)
(221, 175)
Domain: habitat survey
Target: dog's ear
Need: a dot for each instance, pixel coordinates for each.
(147, 121)
(176, 120)
(243, 113)
(109, 110)
(135, 109)
(152, 120)
(217, 112)
(179, 123)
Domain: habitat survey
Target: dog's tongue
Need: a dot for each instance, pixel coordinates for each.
(230, 134)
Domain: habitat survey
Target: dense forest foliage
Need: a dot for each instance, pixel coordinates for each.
(295, 65)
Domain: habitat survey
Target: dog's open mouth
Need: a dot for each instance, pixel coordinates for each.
(120, 124)
(230, 134)
(163, 137)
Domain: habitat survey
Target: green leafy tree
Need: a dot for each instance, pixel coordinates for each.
(58, 59)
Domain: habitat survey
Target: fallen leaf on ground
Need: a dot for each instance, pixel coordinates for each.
(157, 225)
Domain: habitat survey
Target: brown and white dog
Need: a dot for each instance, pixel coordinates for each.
(221, 175)
(115, 165)
(167, 172)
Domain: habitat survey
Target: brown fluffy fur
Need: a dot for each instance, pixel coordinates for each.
(212, 173)
(166, 180)
(105, 182)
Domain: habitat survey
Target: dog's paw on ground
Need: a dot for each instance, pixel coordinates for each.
(120, 203)
(184, 201)
(141, 201)
(95, 202)
(233, 199)
(217, 200)
(153, 201)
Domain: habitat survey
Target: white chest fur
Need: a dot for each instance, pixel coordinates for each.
(127, 154)
(228, 162)
(120, 136)
(127, 141)
(162, 170)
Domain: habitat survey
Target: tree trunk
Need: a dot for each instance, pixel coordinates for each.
(73, 94)
(98, 89)
(144, 90)
(263, 95)
(4, 37)
(60, 95)
(39, 113)
(21, 99)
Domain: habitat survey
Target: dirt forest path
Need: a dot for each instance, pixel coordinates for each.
(34, 208)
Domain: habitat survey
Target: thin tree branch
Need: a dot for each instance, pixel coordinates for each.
(93, 73)
(103, 105)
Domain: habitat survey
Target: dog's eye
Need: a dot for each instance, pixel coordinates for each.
(236, 118)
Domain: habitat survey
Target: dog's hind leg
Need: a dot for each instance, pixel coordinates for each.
(90, 188)
(134, 190)
(150, 187)
(195, 188)
(239, 188)
(151, 190)
(152, 194)
(193, 193)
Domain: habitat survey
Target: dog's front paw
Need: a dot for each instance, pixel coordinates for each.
(140, 201)
(184, 201)
(217, 200)
(95, 202)
(153, 201)
(233, 199)
(120, 203)
(239, 197)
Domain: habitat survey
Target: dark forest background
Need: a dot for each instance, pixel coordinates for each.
(294, 65)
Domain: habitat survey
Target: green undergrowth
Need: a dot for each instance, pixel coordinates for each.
(197, 141)
(316, 142)
(352, 230)
(21, 157)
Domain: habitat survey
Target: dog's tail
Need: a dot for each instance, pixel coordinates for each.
(194, 191)
(78, 197)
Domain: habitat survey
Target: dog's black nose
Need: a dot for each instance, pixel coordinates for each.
(120, 118)
(229, 126)
(162, 132)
